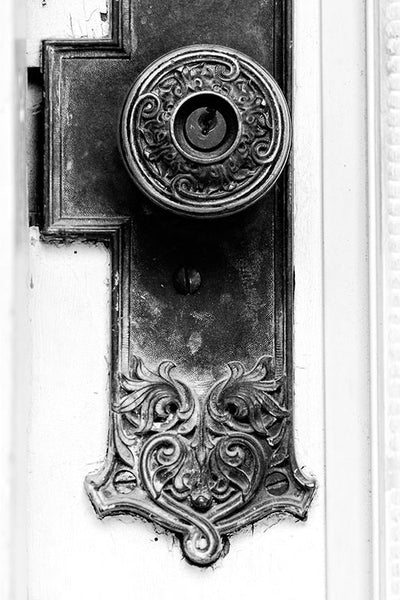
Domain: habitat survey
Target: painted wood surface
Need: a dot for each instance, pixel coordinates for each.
(346, 300)
(59, 19)
(7, 262)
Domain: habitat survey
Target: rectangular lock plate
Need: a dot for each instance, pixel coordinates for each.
(204, 447)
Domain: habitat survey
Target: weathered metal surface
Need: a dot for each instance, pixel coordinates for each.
(205, 131)
(210, 462)
(241, 311)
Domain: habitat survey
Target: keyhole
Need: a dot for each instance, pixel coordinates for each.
(205, 128)
(208, 120)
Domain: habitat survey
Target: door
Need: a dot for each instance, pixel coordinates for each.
(72, 302)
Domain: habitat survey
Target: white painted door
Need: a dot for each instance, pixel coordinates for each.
(71, 555)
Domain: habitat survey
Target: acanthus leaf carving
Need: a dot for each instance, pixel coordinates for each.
(203, 459)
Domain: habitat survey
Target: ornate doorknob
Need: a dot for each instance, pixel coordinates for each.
(205, 131)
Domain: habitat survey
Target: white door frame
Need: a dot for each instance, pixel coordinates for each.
(383, 29)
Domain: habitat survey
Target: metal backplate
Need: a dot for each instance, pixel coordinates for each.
(204, 447)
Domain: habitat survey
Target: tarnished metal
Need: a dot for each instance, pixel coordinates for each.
(209, 462)
(205, 131)
(187, 280)
(206, 447)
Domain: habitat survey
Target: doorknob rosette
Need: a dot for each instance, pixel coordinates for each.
(205, 131)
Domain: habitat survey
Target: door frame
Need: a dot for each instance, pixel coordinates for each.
(383, 117)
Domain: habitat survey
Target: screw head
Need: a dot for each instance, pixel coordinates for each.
(187, 280)
(124, 481)
(276, 483)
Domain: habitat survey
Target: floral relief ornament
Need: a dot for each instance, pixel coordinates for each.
(180, 178)
(201, 466)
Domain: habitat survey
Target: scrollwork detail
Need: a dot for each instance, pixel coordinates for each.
(153, 111)
(153, 402)
(201, 464)
(245, 171)
(201, 458)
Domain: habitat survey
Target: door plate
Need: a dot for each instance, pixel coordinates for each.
(201, 374)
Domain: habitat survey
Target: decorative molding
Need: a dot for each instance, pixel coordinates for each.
(208, 464)
(384, 176)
